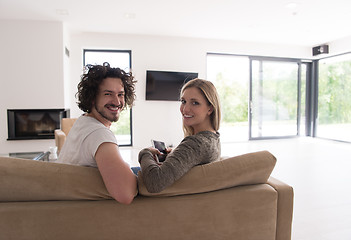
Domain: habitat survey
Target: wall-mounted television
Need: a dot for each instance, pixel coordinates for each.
(166, 85)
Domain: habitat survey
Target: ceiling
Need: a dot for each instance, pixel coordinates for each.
(298, 22)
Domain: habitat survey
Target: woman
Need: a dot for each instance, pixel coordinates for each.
(201, 113)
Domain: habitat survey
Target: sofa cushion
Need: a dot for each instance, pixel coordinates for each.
(250, 168)
(30, 180)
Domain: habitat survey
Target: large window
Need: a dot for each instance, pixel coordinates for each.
(231, 74)
(266, 97)
(260, 97)
(334, 98)
(122, 59)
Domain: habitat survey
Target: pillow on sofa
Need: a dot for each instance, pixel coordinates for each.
(30, 180)
(251, 168)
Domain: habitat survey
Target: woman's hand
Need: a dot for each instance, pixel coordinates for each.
(155, 152)
(169, 150)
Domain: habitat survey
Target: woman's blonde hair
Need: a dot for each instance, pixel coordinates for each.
(210, 93)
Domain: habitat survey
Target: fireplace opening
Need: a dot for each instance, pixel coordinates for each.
(27, 124)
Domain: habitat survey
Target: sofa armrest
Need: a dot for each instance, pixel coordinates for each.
(60, 138)
(285, 208)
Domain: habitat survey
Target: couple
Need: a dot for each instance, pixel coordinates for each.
(103, 93)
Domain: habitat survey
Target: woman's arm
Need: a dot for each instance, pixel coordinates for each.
(157, 177)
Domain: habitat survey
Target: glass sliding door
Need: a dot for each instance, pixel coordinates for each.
(261, 97)
(121, 59)
(274, 98)
(334, 98)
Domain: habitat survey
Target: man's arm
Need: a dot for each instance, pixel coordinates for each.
(119, 180)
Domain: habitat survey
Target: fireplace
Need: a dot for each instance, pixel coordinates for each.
(27, 124)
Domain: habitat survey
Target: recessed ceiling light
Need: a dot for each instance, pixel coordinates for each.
(130, 15)
(291, 5)
(63, 12)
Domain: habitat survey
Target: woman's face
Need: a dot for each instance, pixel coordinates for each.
(195, 110)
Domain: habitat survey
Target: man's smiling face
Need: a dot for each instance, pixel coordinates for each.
(109, 100)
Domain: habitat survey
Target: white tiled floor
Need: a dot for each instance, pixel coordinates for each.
(318, 170)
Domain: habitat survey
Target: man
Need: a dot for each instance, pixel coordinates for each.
(103, 93)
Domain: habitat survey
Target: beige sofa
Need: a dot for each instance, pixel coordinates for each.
(234, 198)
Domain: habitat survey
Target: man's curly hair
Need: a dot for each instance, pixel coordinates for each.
(93, 77)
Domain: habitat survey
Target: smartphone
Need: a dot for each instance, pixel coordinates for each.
(161, 147)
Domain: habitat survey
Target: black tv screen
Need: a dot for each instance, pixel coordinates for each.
(164, 85)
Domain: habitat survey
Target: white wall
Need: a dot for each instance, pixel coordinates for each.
(31, 65)
(37, 74)
(340, 46)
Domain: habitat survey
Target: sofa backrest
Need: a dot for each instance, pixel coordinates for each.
(250, 168)
(30, 180)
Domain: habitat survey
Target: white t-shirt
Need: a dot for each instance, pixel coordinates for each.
(83, 140)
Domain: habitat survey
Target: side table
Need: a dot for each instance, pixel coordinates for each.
(39, 156)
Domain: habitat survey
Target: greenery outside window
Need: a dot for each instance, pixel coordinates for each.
(231, 75)
(334, 98)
